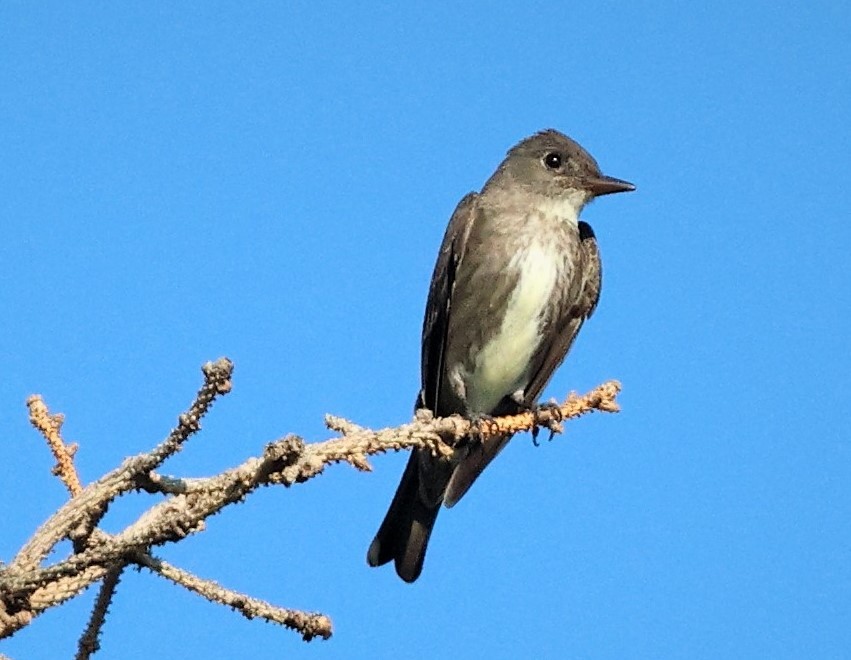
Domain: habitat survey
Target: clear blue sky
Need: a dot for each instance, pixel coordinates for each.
(271, 181)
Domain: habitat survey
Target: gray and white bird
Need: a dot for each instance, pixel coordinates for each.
(517, 275)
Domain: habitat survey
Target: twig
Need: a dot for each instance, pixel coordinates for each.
(89, 643)
(309, 624)
(50, 427)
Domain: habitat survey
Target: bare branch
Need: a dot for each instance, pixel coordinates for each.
(217, 382)
(50, 427)
(309, 624)
(89, 643)
(27, 588)
(91, 503)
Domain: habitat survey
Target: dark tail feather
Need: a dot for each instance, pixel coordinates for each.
(403, 536)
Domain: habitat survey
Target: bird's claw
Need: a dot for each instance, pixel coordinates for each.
(481, 426)
(553, 423)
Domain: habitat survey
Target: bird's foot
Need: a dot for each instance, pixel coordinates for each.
(481, 427)
(553, 423)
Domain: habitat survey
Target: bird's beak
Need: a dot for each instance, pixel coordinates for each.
(606, 185)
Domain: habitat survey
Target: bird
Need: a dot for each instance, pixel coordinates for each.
(517, 275)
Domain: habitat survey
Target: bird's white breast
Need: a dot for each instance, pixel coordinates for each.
(502, 366)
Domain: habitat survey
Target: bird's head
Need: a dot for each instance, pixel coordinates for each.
(551, 164)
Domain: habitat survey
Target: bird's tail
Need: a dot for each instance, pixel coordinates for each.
(404, 534)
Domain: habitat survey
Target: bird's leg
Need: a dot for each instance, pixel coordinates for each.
(519, 399)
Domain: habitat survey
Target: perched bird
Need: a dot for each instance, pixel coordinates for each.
(516, 276)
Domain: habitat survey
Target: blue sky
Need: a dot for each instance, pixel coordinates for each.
(271, 182)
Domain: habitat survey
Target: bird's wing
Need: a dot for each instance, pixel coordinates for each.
(438, 308)
(404, 533)
(473, 464)
(573, 314)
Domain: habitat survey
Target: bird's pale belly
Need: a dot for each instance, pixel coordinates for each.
(502, 366)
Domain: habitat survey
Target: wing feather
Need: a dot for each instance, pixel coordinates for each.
(439, 305)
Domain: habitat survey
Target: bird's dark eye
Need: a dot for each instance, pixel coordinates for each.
(553, 160)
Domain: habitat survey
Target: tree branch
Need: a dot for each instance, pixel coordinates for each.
(308, 624)
(27, 588)
(89, 643)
